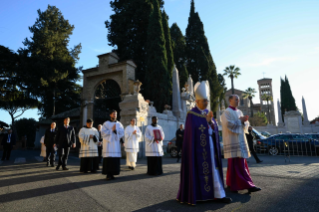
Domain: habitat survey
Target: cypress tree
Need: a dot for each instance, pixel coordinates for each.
(200, 63)
(127, 32)
(291, 103)
(287, 100)
(50, 69)
(168, 44)
(179, 49)
(157, 76)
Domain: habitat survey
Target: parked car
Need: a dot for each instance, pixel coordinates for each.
(295, 144)
(266, 134)
(172, 148)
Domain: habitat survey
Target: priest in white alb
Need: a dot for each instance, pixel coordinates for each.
(131, 144)
(154, 136)
(89, 139)
(236, 150)
(112, 132)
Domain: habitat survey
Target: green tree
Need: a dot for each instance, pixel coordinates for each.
(222, 83)
(287, 100)
(27, 127)
(179, 49)
(13, 97)
(168, 44)
(259, 119)
(200, 62)
(157, 77)
(49, 65)
(250, 94)
(127, 32)
(232, 72)
(267, 98)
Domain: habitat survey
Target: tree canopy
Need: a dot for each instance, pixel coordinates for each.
(49, 64)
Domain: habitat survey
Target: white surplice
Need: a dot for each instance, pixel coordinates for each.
(152, 148)
(132, 144)
(89, 147)
(43, 148)
(111, 140)
(234, 139)
(219, 191)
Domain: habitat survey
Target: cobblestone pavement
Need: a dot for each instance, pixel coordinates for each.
(31, 186)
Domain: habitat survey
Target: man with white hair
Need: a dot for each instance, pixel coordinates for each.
(132, 137)
(201, 177)
(235, 124)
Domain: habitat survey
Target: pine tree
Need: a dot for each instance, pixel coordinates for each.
(200, 63)
(51, 66)
(127, 32)
(157, 76)
(179, 49)
(14, 98)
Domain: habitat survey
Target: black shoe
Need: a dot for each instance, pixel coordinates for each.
(254, 189)
(58, 167)
(259, 161)
(64, 168)
(223, 200)
(52, 165)
(132, 168)
(112, 177)
(48, 164)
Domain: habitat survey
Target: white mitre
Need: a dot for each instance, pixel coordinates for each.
(201, 90)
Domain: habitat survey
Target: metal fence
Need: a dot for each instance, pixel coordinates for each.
(287, 148)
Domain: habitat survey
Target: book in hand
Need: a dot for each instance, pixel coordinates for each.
(157, 135)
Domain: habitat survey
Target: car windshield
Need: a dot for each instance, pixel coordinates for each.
(259, 134)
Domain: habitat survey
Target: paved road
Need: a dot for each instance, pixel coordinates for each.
(28, 185)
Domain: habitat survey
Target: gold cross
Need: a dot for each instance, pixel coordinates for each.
(202, 128)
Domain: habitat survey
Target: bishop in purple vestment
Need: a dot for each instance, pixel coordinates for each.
(201, 177)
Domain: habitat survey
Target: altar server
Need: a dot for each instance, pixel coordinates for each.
(132, 138)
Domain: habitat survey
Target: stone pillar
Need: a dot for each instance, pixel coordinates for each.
(177, 108)
(293, 122)
(280, 122)
(85, 115)
(305, 115)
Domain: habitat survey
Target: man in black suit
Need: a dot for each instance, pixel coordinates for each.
(8, 141)
(179, 140)
(49, 142)
(65, 138)
(250, 141)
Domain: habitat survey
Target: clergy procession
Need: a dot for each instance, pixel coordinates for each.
(201, 172)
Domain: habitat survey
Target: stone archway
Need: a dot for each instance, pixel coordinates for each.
(110, 74)
(107, 97)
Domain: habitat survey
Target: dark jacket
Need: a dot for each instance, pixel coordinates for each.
(12, 139)
(49, 137)
(250, 138)
(65, 137)
(179, 138)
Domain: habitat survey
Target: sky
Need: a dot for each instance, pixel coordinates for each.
(263, 38)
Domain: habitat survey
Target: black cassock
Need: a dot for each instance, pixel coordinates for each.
(111, 166)
(89, 164)
(154, 166)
